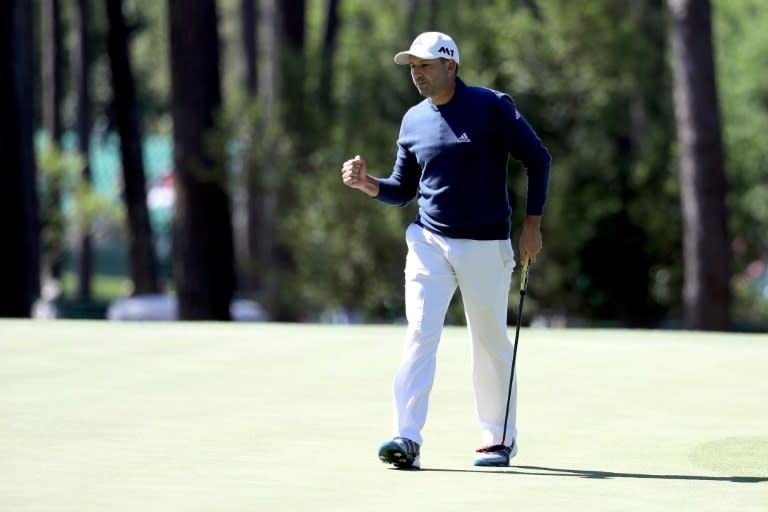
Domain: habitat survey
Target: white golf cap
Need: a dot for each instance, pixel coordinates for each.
(428, 46)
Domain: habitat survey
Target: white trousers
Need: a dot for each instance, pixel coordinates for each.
(482, 270)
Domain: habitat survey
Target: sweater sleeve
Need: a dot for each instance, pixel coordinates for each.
(525, 146)
(403, 184)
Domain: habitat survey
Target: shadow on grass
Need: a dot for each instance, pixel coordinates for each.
(606, 475)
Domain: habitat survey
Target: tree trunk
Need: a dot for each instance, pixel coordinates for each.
(245, 217)
(295, 122)
(269, 80)
(203, 246)
(282, 100)
(419, 16)
(263, 200)
(703, 185)
(81, 69)
(19, 260)
(140, 241)
(248, 41)
(294, 69)
(52, 52)
(328, 51)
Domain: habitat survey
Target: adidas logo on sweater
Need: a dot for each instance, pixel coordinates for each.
(463, 138)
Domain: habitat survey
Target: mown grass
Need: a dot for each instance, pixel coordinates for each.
(237, 417)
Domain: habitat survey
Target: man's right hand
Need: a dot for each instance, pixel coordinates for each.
(354, 174)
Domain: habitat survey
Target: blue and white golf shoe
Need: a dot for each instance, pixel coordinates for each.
(401, 452)
(496, 456)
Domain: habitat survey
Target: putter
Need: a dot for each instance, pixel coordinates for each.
(523, 289)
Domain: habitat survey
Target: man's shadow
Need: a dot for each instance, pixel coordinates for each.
(605, 475)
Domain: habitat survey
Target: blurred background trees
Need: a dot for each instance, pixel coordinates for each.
(706, 293)
(127, 121)
(233, 118)
(20, 257)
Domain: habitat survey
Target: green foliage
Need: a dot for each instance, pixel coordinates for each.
(67, 200)
(579, 73)
(593, 79)
(105, 287)
(149, 51)
(741, 46)
(348, 250)
(742, 57)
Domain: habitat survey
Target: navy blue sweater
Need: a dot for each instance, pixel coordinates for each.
(454, 156)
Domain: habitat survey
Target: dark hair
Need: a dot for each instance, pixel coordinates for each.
(446, 60)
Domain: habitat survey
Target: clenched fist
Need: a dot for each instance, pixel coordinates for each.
(354, 174)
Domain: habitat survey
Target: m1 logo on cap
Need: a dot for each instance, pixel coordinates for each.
(445, 50)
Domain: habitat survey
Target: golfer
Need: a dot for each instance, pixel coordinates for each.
(452, 154)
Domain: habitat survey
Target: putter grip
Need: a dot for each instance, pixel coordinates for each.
(524, 275)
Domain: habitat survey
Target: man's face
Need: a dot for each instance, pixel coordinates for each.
(433, 78)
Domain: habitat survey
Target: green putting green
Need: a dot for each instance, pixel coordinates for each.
(144, 417)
